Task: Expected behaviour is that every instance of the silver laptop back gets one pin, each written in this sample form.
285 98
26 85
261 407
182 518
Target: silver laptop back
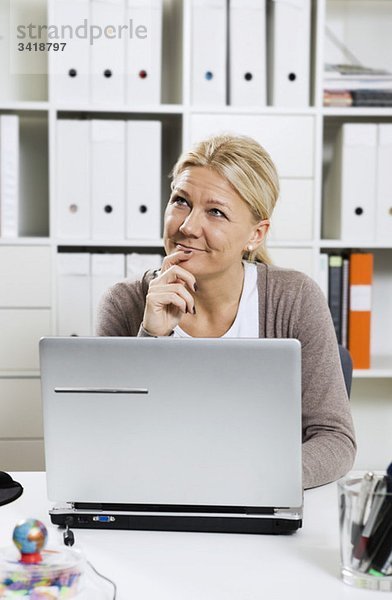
210 422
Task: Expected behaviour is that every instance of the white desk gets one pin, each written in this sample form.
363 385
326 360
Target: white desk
204 566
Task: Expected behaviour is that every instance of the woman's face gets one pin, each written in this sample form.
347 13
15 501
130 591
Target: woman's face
205 215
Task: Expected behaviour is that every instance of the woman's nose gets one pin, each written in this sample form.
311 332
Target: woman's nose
191 226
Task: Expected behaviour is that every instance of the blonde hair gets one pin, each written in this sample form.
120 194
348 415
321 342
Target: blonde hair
248 168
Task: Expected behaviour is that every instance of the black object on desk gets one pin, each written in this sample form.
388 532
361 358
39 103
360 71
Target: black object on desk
10 490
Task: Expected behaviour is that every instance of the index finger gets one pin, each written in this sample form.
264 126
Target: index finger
175 273
175 258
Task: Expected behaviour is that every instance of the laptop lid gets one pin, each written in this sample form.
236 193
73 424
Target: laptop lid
169 421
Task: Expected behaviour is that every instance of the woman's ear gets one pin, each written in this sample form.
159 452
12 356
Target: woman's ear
258 234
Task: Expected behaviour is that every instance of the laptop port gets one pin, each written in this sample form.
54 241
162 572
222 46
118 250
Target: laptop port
103 519
83 520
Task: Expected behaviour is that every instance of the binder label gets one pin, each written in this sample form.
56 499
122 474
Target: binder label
360 298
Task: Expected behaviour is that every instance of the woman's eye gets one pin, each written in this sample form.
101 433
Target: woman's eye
180 201
216 212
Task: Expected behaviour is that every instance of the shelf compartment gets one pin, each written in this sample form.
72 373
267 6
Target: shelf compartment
23 73
381 318
34 176
33 201
363 27
348 144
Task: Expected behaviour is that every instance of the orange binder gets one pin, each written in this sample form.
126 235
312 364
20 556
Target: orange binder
361 276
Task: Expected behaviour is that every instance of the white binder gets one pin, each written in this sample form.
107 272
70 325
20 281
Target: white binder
288 139
323 273
247 53
350 188
73 212
108 52
292 218
73 294
289 52
9 176
70 68
144 52
384 184
137 264
107 179
25 280
299 259
143 191
21 330
106 270
209 52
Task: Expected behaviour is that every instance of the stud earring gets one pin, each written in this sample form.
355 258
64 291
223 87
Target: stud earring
250 248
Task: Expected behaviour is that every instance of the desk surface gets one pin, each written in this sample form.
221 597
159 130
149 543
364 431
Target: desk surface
202 566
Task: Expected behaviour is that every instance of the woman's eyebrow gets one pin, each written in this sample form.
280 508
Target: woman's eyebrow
214 201
219 203
177 190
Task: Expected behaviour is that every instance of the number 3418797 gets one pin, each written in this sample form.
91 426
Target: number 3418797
42 46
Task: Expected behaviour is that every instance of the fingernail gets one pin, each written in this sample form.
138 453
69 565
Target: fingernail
195 287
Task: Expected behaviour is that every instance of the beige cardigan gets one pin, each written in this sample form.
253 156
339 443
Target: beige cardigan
291 305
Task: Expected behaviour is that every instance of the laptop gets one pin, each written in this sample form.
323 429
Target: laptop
172 433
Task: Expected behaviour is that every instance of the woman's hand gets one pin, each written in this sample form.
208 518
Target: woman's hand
169 295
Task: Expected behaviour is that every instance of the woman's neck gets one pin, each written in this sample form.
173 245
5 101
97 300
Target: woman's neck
216 302
220 291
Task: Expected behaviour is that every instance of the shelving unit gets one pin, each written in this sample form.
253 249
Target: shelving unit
285 134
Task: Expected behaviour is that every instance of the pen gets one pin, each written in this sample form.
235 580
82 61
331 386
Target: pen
380 543
382 519
361 546
380 561
360 506
387 568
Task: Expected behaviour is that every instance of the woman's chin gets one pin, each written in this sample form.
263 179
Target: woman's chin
194 264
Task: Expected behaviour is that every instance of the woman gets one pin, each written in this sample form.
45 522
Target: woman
216 280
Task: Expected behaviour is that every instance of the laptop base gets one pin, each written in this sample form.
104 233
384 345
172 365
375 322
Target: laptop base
196 523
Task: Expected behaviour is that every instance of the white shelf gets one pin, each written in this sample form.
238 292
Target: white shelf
252 110
20 374
24 106
359 111
159 243
111 243
180 108
25 241
161 109
290 244
351 244
381 367
372 373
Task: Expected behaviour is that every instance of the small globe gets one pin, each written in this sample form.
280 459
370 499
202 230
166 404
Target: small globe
30 536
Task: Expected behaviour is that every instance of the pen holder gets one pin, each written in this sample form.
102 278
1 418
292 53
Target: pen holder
365 514
31 571
59 575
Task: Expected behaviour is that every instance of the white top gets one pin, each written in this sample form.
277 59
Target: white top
246 323
148 565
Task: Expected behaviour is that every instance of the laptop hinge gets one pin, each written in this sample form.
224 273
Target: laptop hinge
175 508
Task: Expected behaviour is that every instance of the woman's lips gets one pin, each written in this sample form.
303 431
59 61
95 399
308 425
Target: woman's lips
182 247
